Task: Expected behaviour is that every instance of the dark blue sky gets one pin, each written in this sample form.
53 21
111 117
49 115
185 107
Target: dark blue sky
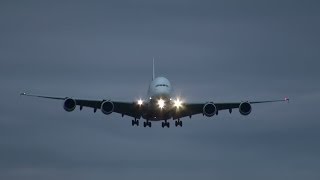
210 51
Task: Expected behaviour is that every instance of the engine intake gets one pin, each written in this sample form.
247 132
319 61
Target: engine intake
69 104
107 107
245 108
209 109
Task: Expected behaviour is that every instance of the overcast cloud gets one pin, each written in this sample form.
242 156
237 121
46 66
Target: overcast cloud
209 50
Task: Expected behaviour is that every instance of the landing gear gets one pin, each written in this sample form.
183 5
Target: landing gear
135 122
165 124
178 123
148 123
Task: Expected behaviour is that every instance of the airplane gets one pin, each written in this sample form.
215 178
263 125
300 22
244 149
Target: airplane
159 106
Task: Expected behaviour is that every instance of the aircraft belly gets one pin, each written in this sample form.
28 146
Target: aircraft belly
153 112
157 115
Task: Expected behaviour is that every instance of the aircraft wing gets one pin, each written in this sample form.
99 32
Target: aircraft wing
190 109
123 108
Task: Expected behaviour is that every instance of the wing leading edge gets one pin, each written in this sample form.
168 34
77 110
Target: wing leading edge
131 109
123 108
197 108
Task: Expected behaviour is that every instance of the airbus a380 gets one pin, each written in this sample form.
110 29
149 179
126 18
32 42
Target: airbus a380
160 105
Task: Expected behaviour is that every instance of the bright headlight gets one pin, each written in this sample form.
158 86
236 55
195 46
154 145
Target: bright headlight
177 103
161 103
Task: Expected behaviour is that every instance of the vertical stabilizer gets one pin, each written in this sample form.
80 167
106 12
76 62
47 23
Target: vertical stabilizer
153 74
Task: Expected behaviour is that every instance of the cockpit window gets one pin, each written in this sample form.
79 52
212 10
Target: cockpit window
165 85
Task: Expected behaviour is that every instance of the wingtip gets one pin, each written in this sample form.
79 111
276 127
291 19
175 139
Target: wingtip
23 94
286 99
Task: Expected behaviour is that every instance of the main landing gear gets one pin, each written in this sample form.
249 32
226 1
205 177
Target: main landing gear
135 122
165 124
148 123
178 123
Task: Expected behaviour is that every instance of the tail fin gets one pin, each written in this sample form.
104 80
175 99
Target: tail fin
153 73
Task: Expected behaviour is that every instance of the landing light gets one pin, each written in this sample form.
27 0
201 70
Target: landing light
177 103
140 102
161 103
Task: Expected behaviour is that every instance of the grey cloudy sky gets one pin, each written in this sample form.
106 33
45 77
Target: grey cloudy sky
210 50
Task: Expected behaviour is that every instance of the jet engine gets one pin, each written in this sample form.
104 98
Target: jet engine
209 109
245 108
107 107
69 104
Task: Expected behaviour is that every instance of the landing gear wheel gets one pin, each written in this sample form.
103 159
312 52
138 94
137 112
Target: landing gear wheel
149 124
176 123
135 122
144 124
180 123
165 124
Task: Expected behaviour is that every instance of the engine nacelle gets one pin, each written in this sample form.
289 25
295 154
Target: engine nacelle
69 104
107 107
209 109
245 108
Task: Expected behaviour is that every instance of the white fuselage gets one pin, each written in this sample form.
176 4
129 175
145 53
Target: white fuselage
160 89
